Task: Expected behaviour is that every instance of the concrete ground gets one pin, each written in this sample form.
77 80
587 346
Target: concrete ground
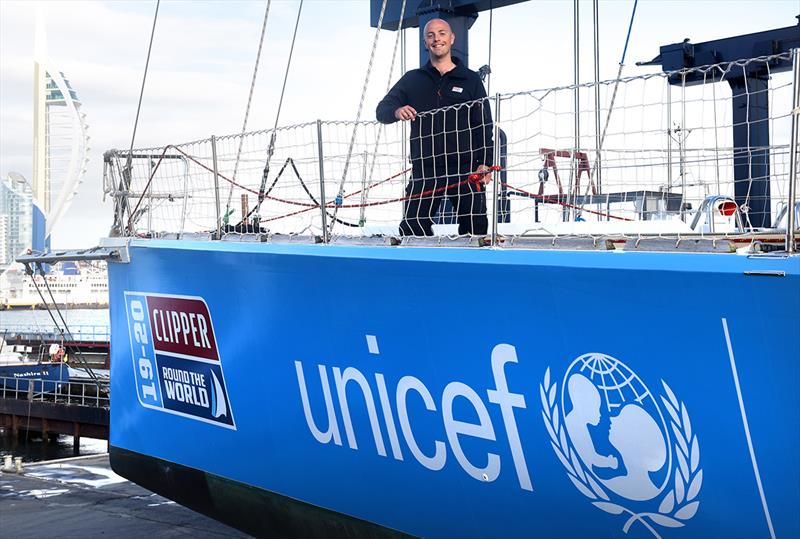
82 498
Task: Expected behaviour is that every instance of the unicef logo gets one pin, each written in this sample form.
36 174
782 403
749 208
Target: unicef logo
618 448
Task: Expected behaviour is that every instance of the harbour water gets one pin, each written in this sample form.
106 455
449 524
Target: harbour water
34 448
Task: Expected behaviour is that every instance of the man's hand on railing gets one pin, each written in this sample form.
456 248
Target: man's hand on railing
482 175
406 112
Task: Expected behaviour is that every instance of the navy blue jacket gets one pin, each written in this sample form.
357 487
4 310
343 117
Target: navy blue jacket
449 140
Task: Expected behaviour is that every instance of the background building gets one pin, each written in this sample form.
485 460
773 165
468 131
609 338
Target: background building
29 211
32 209
16 217
61 150
3 234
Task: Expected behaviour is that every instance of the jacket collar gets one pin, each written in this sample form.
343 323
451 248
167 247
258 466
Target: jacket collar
458 72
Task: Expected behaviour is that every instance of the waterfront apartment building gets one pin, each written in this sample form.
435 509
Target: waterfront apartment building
16 217
3 233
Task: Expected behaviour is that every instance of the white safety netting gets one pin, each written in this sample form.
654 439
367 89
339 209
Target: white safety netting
666 165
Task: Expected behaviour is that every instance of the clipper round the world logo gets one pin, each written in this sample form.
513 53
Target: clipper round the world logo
618 448
175 357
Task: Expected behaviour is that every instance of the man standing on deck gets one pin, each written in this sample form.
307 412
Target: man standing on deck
448 143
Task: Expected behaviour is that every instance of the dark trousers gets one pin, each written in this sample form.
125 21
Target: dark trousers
469 204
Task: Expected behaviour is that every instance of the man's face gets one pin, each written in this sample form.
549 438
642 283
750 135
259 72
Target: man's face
439 38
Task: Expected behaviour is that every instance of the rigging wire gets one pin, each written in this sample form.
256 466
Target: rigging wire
271 149
129 161
358 114
65 330
619 73
489 73
365 188
247 111
596 164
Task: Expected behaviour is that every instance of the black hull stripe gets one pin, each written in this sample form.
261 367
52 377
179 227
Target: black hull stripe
252 510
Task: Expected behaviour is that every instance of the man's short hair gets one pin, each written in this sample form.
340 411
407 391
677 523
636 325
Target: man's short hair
425 28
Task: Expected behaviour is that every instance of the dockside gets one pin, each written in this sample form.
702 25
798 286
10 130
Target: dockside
83 498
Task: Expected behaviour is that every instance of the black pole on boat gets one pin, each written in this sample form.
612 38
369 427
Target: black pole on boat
749 82
459 14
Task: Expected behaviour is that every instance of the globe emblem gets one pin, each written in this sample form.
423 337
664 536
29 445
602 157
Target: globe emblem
616 427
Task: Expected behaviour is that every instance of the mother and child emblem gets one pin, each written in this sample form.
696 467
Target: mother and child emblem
608 431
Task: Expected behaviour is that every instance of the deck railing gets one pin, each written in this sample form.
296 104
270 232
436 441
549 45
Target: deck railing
95 394
663 151
38 332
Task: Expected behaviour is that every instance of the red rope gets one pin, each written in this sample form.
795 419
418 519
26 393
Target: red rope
472 178
292 202
475 178
378 203
546 198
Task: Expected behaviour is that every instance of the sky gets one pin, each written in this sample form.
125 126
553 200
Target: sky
204 54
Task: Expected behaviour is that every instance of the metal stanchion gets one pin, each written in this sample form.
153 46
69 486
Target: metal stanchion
216 185
597 142
682 146
496 174
573 178
669 136
790 217
323 211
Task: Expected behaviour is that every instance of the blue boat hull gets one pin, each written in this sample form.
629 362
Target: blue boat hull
460 393
45 378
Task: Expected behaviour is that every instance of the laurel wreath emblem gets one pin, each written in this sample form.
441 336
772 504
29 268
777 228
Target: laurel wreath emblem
680 502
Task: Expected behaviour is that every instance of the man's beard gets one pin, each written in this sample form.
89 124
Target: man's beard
439 54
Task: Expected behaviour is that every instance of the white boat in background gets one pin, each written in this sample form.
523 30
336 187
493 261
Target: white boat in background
19 373
71 284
